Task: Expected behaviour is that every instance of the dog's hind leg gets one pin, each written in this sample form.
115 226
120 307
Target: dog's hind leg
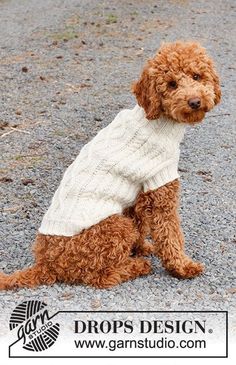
129 269
142 247
112 240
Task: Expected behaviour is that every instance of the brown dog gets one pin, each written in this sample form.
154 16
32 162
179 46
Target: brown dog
179 84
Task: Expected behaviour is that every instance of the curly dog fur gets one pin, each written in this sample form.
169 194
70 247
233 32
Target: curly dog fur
113 250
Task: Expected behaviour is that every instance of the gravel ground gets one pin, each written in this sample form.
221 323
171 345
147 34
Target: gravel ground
65 70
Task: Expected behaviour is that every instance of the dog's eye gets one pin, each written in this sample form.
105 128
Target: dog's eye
172 84
196 77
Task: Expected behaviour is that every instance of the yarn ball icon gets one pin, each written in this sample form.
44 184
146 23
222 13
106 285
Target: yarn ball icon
34 325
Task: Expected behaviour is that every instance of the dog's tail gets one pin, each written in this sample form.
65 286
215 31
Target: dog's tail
27 278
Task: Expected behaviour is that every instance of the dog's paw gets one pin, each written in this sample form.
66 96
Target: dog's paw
145 267
3 278
190 270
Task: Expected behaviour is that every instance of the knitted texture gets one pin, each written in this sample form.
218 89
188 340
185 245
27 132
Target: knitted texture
130 155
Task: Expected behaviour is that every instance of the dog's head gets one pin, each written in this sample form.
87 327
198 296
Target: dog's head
179 82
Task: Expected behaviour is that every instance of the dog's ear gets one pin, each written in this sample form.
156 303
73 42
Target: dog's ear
216 84
217 88
147 95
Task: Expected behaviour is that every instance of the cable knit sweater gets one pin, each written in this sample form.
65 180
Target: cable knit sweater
130 155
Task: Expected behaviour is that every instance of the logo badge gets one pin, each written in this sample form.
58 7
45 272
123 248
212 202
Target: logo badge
34 326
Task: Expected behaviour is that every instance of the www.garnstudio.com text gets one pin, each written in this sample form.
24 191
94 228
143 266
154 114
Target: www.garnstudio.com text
162 343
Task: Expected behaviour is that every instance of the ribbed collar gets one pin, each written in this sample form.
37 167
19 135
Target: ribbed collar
163 125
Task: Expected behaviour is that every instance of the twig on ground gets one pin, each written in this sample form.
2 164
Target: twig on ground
218 115
14 130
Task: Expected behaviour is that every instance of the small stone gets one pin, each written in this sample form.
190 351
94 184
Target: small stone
203 173
18 112
24 69
27 181
182 170
98 119
67 296
199 295
96 303
3 124
6 179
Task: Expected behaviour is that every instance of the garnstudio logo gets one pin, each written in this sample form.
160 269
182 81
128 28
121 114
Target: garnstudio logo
34 326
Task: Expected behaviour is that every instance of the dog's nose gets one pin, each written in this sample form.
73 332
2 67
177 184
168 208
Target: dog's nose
194 103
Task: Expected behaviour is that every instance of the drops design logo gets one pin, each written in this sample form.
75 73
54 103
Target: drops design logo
34 325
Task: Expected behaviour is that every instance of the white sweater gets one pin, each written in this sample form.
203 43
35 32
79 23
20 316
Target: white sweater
130 155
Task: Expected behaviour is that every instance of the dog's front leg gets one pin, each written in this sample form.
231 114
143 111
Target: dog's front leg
167 234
